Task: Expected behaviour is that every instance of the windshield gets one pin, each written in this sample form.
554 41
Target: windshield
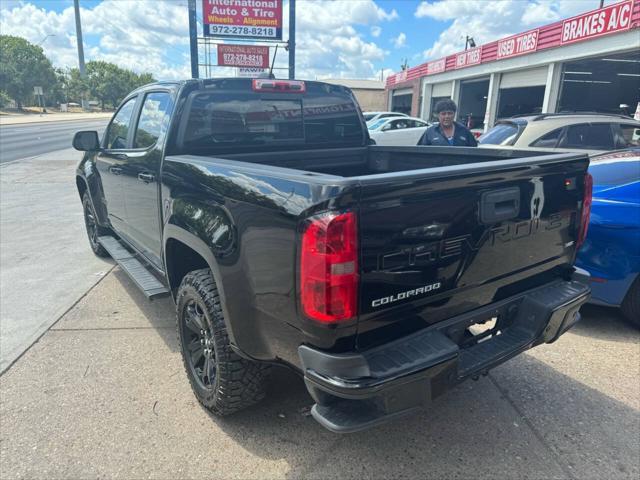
236 121
369 116
501 134
377 124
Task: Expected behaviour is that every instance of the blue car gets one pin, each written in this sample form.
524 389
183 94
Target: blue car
611 251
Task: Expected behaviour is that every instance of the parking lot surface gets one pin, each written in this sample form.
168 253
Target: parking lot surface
103 394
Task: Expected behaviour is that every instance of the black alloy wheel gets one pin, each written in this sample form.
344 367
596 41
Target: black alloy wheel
222 381
197 341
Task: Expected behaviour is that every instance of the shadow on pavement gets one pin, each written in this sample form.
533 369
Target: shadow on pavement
604 323
473 431
159 313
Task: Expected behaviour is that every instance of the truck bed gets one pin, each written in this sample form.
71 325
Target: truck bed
374 160
480 224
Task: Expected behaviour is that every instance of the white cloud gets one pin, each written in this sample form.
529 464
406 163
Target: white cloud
487 21
152 35
400 40
376 31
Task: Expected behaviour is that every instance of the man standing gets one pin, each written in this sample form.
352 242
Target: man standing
447 132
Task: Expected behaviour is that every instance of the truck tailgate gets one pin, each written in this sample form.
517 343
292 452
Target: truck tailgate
437 243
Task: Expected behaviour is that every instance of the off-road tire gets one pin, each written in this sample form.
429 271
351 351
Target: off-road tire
94 230
237 383
631 303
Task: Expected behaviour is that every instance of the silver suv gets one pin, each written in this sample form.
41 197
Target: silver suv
595 132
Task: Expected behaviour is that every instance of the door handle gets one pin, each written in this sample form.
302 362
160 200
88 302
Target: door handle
115 170
146 177
499 205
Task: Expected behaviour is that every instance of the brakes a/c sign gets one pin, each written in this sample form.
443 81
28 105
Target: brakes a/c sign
242 18
611 19
520 44
243 56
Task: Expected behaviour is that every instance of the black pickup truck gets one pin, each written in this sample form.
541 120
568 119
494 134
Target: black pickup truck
384 275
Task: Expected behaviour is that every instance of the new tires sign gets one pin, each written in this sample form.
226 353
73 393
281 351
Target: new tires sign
243 18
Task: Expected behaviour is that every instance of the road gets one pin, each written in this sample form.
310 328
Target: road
31 139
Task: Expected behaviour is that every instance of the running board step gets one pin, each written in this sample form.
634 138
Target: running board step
143 278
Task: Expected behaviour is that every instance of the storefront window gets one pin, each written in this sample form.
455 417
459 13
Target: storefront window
520 101
473 103
402 103
609 84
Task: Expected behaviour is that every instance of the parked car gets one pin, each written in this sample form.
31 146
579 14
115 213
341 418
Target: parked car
287 238
373 116
611 252
594 133
397 131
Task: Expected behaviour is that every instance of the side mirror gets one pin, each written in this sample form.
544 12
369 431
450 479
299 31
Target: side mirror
386 128
86 141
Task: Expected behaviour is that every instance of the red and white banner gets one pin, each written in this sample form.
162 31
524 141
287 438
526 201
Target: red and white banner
520 44
243 18
469 57
243 56
437 66
610 19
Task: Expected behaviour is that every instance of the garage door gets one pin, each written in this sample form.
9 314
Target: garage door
441 89
524 78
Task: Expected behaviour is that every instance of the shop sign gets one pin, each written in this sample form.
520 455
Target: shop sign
248 72
243 18
520 44
243 56
469 57
437 66
613 18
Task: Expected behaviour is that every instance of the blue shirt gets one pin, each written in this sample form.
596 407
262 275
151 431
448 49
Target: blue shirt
462 137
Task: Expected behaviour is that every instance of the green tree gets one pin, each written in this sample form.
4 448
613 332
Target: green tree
110 84
23 66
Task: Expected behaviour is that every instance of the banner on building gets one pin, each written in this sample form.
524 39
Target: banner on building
243 19
610 19
243 56
520 44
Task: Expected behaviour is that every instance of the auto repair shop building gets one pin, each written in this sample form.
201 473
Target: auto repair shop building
590 62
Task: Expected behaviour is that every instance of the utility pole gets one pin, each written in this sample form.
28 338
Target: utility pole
83 73
193 38
292 39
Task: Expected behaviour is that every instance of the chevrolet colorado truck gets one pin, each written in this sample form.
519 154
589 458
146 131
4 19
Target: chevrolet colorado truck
383 275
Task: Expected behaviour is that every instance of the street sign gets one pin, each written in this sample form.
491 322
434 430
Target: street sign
260 19
37 91
243 56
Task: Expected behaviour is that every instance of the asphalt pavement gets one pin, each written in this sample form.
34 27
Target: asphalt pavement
31 139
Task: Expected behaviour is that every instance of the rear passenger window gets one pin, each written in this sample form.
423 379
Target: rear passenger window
594 136
153 119
119 128
628 136
549 140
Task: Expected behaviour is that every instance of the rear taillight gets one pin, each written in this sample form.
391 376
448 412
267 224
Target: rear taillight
329 268
586 209
282 86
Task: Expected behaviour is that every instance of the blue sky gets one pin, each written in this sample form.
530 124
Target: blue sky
341 38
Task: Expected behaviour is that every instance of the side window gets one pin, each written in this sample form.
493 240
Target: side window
119 128
153 119
628 136
549 140
596 136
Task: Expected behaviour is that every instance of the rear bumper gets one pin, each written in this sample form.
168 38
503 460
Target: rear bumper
356 391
